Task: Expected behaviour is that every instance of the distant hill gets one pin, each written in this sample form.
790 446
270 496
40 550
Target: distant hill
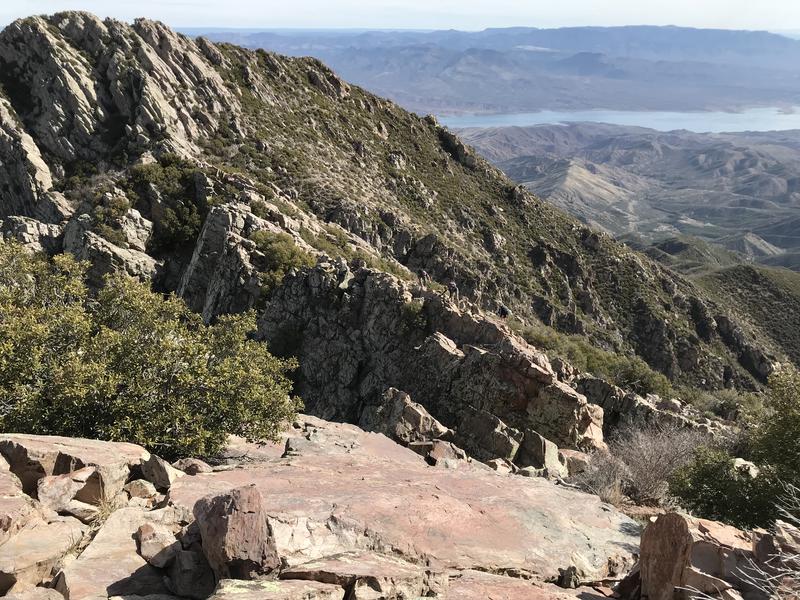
739 191
526 69
769 298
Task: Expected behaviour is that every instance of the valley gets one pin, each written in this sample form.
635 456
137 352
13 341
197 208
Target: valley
737 191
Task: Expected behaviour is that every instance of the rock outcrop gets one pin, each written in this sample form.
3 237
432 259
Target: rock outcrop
687 557
358 333
330 511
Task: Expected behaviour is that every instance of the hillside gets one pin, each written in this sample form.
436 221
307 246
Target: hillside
525 69
769 297
737 190
220 174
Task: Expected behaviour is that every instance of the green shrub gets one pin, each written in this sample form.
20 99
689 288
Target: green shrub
183 211
732 405
281 255
712 488
129 364
629 373
776 436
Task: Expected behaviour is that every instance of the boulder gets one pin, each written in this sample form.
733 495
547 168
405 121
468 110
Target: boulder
157 544
370 576
236 537
136 229
235 589
679 552
484 436
27 558
190 575
438 453
159 472
577 462
192 466
17 509
56 492
37 593
402 420
501 466
665 550
140 488
111 565
540 453
31 457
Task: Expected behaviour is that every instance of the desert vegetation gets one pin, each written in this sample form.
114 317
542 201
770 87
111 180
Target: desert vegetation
128 364
737 479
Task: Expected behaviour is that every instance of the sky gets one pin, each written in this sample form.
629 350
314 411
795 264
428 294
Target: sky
430 14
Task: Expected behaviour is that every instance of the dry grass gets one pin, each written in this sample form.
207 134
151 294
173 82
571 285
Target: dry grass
640 463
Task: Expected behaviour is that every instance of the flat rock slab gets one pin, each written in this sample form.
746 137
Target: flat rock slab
28 557
232 589
343 490
375 574
32 457
476 585
110 565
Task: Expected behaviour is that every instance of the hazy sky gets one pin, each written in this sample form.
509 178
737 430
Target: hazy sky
424 14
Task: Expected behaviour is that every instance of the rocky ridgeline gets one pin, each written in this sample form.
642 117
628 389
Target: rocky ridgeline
283 145
334 512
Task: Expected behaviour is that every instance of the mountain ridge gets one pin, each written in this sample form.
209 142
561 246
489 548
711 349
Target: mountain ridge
527 69
171 182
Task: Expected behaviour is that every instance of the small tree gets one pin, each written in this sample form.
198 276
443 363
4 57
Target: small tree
712 486
129 364
776 437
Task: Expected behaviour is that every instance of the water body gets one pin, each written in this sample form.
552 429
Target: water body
754 119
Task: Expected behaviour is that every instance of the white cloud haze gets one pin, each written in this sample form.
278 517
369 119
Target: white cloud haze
425 14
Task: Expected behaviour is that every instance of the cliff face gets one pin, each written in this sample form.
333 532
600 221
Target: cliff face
142 150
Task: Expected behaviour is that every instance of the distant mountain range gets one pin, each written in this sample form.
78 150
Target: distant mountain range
526 69
739 191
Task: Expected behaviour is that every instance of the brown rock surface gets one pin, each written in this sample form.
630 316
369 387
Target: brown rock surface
32 457
477 585
236 537
17 509
111 565
233 589
370 576
37 593
347 490
28 557
706 556
157 544
56 492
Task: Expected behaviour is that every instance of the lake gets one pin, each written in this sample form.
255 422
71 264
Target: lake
754 119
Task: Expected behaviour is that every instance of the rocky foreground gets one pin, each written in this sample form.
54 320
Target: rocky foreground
331 511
